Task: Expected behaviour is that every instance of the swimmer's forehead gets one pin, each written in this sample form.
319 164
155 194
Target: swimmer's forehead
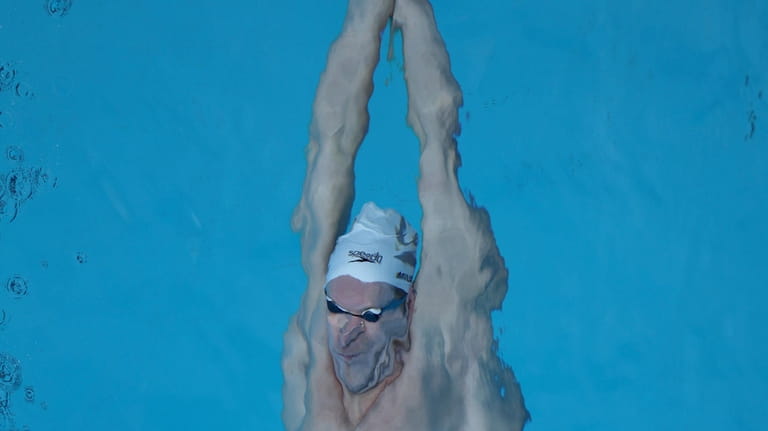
351 292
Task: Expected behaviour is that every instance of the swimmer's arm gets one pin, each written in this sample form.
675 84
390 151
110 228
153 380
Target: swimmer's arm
457 239
462 277
339 123
434 98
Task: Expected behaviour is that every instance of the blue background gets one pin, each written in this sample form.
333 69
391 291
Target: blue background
620 148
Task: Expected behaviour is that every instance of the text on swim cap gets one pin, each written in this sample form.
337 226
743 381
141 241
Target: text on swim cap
365 257
404 276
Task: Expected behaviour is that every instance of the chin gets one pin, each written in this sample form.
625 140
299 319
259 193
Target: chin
358 387
356 377
362 376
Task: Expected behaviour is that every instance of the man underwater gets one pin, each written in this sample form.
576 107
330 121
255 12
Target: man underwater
364 351
370 274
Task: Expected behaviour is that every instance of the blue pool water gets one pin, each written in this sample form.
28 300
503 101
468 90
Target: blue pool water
152 153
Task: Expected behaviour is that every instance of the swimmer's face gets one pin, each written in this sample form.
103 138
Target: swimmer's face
364 352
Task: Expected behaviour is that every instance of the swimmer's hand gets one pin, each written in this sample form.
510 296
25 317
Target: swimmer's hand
367 13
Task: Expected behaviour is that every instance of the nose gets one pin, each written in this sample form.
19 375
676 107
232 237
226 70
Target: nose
352 328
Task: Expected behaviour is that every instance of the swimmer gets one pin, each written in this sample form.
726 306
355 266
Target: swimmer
372 348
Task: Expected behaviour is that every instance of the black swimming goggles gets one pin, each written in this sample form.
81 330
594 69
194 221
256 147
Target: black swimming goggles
369 315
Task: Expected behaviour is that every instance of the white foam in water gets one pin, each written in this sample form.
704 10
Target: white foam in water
452 377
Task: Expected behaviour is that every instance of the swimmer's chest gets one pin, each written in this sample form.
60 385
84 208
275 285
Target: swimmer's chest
405 407
389 413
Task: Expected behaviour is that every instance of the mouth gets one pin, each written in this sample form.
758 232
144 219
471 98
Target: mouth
348 357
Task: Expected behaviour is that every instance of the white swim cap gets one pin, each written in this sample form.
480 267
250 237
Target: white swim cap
380 247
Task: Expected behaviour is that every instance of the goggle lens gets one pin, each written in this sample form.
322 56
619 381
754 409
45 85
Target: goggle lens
368 315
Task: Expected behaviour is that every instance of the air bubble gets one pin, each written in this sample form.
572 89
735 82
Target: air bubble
7 76
6 120
19 185
10 373
14 153
41 177
29 394
17 286
58 7
10 211
23 90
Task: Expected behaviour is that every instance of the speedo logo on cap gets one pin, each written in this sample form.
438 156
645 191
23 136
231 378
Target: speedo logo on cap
364 257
